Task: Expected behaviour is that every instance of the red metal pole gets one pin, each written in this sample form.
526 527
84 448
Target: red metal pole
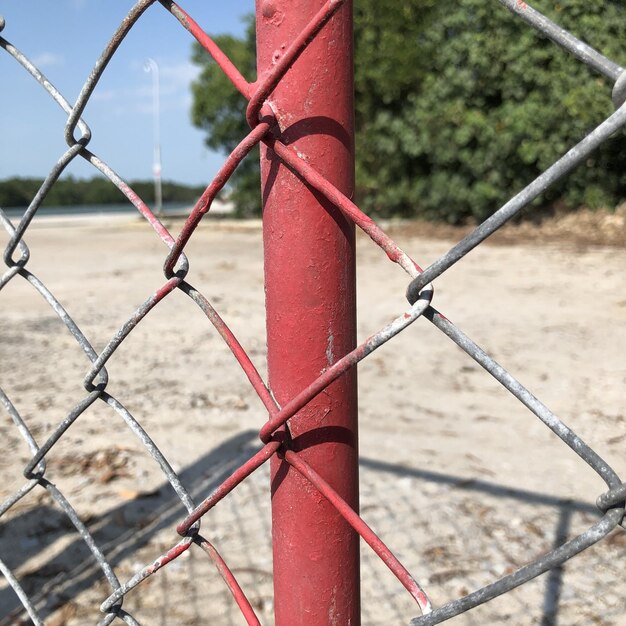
311 314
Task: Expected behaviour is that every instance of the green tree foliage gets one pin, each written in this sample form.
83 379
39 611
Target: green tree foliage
458 106
18 192
220 110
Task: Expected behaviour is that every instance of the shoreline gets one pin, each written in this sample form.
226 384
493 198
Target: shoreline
78 216
582 229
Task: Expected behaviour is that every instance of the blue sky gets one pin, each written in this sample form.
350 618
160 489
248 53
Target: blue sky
64 38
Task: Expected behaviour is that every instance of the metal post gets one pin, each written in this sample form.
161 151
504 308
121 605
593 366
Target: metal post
311 314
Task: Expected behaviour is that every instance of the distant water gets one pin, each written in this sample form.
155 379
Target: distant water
96 209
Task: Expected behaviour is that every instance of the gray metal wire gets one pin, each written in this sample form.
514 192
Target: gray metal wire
420 295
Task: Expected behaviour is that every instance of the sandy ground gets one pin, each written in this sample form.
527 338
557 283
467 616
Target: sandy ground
460 480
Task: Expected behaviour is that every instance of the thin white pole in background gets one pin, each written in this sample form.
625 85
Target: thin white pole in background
152 66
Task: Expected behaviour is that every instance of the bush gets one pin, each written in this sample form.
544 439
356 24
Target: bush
458 107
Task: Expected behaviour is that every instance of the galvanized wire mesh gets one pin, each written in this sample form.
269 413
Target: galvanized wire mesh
420 295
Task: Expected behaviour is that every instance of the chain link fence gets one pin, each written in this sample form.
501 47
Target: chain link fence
232 473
